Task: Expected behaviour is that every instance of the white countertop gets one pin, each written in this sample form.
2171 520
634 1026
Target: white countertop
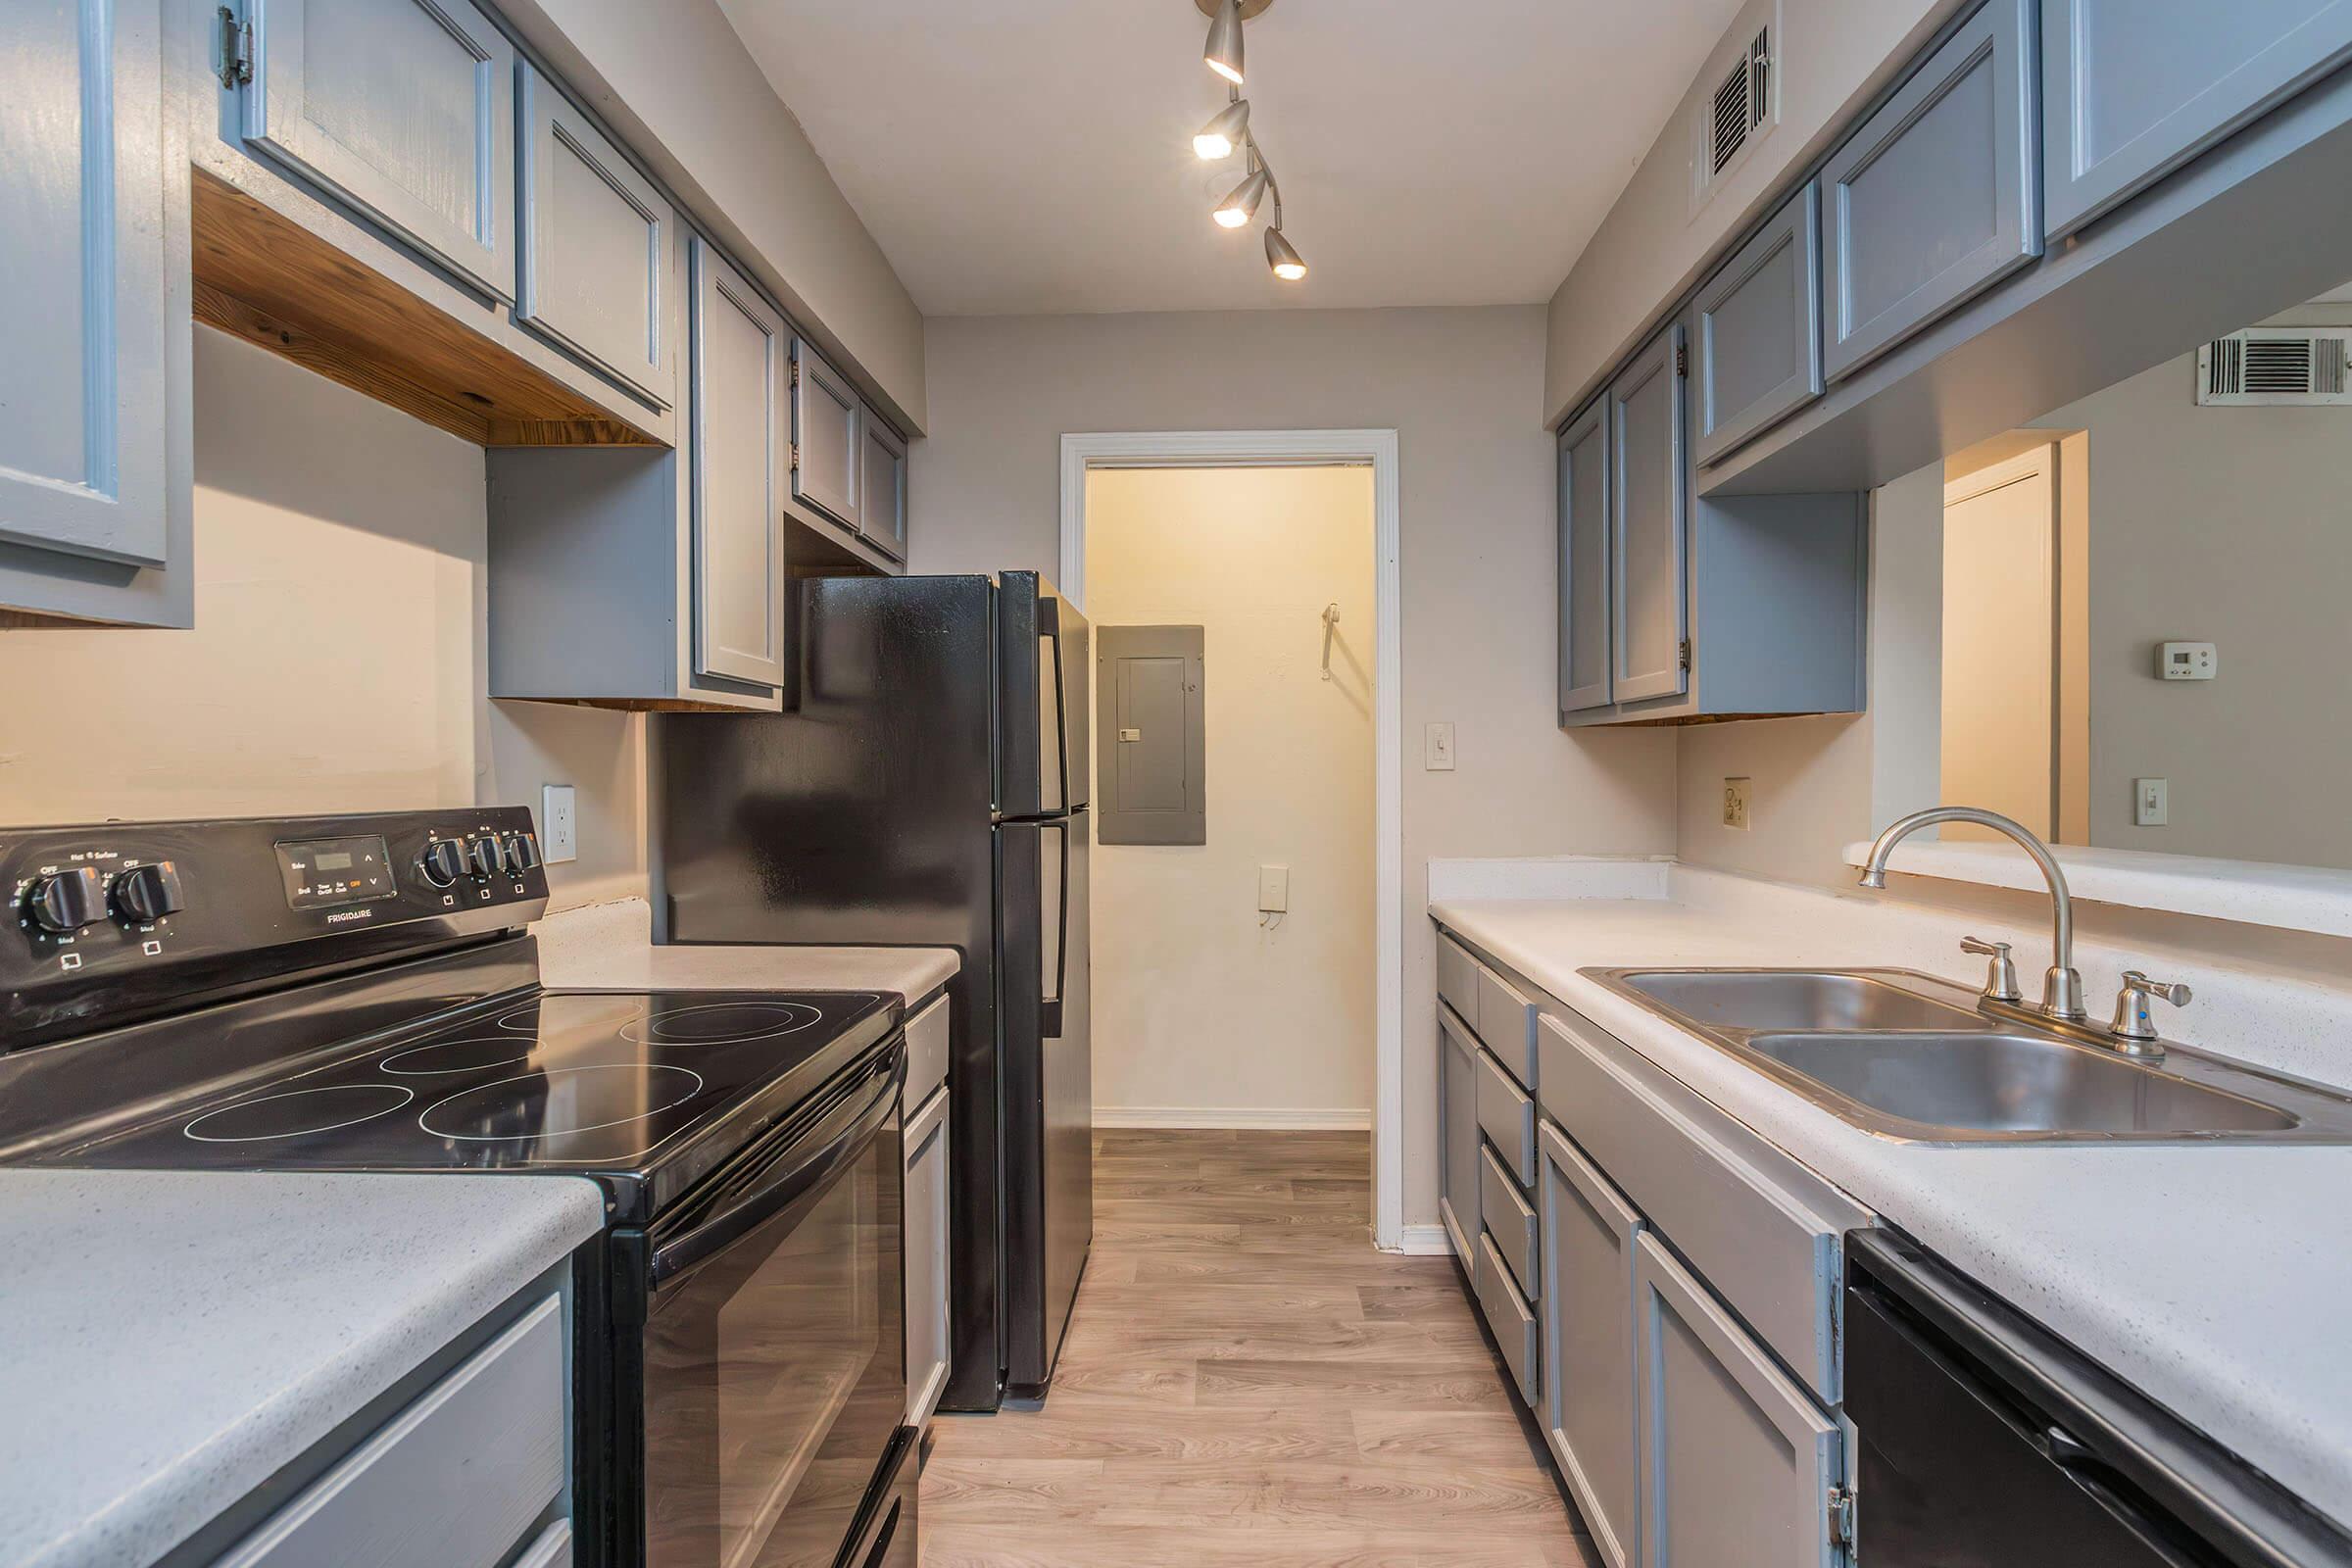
609 946
2214 1278
173 1339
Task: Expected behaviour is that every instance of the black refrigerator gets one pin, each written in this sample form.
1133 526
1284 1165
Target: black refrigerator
926 785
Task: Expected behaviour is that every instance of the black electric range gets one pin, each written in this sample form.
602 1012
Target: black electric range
360 993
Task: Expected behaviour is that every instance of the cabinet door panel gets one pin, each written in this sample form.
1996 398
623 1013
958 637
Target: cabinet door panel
926 1207
1457 1134
1936 197
81 219
1758 341
1735 1462
826 444
2137 87
882 485
1584 560
595 246
404 109
1650 524
739 348
1588 1303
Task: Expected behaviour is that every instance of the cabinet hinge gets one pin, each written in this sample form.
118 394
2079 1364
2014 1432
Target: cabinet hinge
1685 653
1681 360
1841 1519
236 49
796 372
793 452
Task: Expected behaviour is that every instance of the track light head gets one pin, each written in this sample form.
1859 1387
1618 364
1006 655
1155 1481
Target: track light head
1284 256
1223 53
1238 207
1217 139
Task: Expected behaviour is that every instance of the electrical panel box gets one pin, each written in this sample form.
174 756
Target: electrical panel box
1152 752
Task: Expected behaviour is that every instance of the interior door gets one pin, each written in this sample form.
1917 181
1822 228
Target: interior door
1649 522
738 356
2000 654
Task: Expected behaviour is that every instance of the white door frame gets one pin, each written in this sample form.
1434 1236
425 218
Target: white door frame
1280 449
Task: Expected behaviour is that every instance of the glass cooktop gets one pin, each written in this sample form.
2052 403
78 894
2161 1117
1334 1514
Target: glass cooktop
646 1091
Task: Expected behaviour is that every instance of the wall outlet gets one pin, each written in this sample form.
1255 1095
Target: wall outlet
1436 748
1734 803
558 824
2152 802
1273 889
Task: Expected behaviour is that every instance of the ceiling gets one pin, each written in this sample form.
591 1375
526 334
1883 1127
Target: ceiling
1037 157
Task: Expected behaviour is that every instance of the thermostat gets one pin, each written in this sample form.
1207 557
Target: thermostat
2187 661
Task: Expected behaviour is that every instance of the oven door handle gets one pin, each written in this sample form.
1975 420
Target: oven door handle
842 1133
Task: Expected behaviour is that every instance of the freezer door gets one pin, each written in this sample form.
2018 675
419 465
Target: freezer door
1043 663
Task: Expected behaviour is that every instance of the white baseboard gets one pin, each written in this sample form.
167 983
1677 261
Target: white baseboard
1425 1241
1220 1116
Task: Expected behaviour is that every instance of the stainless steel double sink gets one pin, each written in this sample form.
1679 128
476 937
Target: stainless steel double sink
1908 1057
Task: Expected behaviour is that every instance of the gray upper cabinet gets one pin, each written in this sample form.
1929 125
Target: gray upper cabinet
1757 340
596 247
1584 561
827 451
402 108
1649 520
740 351
1457 1134
2137 87
1737 1464
1588 1311
882 486
1937 196
84 197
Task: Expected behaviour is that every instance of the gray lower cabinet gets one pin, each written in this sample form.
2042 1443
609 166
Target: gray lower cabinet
1935 197
2133 88
928 1339
1736 1465
1649 502
1584 561
462 1477
595 245
1756 338
740 356
1587 1300
402 108
1509 1317
827 450
96 452
882 485
1457 1133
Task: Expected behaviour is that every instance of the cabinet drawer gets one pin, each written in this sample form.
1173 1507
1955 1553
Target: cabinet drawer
927 1051
1763 1249
1506 1114
1506 1024
457 1478
1457 979
1509 1221
1515 1325
1934 198
1758 336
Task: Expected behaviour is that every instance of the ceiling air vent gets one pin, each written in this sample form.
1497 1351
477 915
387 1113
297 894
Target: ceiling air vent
1736 103
2273 367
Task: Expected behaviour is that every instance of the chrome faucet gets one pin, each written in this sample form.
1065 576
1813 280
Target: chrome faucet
2061 984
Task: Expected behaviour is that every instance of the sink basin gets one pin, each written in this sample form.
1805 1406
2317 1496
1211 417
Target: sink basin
1974 1081
1775 999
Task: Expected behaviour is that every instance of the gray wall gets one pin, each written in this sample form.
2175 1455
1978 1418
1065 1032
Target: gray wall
1476 506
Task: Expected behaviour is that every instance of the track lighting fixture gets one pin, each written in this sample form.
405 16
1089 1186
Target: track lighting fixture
1223 54
1240 206
1284 256
1217 139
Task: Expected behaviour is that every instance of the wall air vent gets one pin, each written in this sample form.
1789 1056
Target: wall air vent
1737 101
2271 366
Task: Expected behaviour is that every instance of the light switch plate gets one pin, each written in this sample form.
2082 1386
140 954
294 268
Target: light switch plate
1273 889
558 824
1436 748
2152 802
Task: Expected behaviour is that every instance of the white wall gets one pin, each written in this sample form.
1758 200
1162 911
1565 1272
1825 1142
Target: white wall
1833 56
1205 1014
338 658
1477 516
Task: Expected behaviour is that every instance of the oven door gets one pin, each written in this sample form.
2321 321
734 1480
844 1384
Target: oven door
774 1354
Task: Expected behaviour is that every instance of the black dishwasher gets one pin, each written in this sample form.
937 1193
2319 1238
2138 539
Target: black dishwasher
1986 1442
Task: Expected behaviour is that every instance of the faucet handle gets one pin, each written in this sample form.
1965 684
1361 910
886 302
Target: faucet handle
2131 1019
2000 975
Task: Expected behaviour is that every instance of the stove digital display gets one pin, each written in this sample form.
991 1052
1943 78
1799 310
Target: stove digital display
321 873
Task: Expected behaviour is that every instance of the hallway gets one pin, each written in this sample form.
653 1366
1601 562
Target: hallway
1246 1381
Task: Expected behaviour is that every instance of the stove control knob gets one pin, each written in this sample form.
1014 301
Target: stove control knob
442 862
487 858
523 853
69 900
148 892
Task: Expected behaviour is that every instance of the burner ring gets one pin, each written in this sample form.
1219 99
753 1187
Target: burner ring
371 1091
690 1025
518 1046
684 1092
529 1025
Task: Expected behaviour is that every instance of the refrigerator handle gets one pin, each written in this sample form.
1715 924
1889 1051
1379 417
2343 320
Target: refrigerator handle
1048 624
1048 1011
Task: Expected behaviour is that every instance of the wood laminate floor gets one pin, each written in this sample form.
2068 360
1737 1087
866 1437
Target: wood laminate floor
1247 1381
